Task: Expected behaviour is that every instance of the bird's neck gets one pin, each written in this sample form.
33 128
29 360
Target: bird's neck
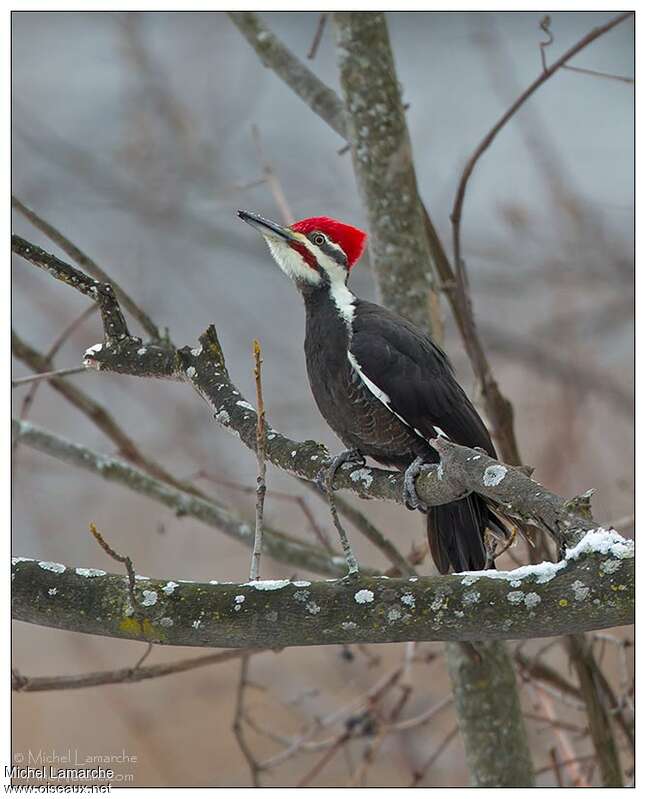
329 313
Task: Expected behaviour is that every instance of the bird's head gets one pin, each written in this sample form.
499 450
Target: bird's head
314 252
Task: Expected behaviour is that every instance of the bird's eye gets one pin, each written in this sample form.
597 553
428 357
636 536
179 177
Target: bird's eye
318 239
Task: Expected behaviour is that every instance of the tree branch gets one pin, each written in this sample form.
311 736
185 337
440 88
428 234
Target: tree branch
88 264
498 406
277 545
591 589
598 716
101 417
305 84
66 682
461 470
274 55
493 757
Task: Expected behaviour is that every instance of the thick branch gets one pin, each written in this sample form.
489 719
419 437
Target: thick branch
591 589
493 756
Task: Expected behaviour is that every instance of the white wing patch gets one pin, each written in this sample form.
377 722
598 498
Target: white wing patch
374 389
385 399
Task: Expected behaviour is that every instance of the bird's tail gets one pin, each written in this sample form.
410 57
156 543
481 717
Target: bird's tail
456 533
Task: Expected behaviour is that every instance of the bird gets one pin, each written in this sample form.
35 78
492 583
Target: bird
383 385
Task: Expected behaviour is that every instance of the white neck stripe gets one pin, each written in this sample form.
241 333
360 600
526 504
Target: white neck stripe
344 299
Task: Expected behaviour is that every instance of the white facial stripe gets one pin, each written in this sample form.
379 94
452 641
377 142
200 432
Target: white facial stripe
291 263
296 268
336 272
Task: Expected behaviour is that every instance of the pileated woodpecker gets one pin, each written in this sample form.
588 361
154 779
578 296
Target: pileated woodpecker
382 385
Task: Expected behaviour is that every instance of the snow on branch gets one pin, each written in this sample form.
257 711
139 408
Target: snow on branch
592 588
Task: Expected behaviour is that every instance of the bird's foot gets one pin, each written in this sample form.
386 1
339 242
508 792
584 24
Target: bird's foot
325 480
411 499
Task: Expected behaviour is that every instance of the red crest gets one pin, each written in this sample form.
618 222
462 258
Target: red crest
351 240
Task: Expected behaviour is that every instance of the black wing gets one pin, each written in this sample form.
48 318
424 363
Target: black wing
416 377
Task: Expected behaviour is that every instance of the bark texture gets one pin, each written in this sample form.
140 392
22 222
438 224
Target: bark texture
591 589
401 257
383 165
489 715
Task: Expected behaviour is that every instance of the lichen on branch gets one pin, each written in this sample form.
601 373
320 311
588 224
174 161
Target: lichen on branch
591 588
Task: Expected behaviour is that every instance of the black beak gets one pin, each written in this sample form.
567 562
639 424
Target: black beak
266 227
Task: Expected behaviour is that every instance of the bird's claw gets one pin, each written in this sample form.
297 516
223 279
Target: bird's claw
411 499
325 477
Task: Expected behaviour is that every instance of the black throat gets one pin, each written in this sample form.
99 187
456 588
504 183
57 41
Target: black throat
326 330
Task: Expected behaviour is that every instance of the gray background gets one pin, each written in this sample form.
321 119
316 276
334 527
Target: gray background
133 135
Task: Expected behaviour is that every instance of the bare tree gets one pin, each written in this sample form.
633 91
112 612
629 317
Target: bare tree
589 588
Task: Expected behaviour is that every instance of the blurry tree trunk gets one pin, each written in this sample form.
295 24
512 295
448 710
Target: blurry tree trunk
383 164
487 701
489 714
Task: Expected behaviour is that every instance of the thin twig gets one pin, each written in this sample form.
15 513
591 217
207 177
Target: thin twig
238 719
99 416
261 446
316 41
51 354
556 766
124 559
318 531
558 723
545 26
563 739
456 214
425 717
595 73
23 381
144 657
87 263
498 407
566 763
127 675
400 564
338 742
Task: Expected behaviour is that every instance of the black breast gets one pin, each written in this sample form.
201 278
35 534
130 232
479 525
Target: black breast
357 417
